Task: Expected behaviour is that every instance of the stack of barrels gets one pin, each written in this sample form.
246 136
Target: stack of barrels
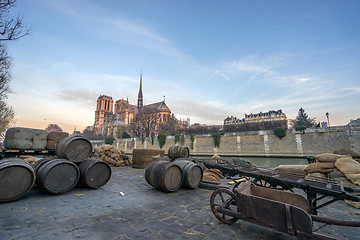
72 167
169 174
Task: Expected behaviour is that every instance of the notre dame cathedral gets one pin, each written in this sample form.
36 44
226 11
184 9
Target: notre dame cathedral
111 119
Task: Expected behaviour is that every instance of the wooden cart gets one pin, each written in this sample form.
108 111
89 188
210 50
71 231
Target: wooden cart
282 211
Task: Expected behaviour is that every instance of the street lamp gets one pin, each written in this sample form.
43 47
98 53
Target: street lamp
327 116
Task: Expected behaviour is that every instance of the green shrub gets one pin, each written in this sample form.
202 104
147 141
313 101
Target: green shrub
177 138
311 159
162 139
300 128
217 137
109 140
142 140
280 132
125 135
152 140
192 137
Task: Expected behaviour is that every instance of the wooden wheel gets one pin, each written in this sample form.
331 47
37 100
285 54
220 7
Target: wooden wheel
223 198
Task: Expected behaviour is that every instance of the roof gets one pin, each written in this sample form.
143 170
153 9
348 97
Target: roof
156 107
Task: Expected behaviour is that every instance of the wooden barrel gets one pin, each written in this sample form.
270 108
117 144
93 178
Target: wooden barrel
16 179
192 173
178 152
94 173
40 162
57 176
74 148
164 176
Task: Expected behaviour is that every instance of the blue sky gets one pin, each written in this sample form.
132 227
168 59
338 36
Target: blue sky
210 59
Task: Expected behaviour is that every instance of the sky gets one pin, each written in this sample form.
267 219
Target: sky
210 59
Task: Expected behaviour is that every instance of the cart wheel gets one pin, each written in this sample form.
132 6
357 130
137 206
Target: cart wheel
223 198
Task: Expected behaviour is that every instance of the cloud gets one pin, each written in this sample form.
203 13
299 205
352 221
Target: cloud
354 90
116 27
219 73
82 97
264 69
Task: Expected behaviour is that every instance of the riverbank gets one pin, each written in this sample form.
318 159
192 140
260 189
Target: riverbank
256 143
128 208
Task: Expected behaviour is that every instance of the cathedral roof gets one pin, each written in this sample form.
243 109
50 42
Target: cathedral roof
156 107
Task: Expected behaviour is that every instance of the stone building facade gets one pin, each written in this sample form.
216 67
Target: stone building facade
272 115
111 119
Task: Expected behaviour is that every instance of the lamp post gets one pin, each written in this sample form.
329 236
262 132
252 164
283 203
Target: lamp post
327 116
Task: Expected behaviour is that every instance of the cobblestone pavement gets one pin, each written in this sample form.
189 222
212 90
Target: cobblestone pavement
141 213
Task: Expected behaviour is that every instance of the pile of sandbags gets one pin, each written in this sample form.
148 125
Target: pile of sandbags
325 163
212 175
350 168
292 169
113 156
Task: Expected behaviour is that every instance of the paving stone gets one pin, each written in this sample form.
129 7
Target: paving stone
142 213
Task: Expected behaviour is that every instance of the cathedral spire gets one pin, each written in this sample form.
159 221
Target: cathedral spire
140 96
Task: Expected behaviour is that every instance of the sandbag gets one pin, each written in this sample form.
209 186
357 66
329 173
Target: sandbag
30 159
319 167
212 175
54 138
347 165
326 157
25 138
347 151
315 175
113 156
354 178
296 169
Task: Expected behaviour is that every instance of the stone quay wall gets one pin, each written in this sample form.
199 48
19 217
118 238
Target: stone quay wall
256 143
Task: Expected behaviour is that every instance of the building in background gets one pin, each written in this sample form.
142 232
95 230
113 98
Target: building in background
111 120
255 122
272 115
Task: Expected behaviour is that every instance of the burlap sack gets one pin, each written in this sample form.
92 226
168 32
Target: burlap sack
316 176
326 157
107 147
295 169
54 138
347 165
347 151
354 178
143 157
113 156
212 175
30 159
320 167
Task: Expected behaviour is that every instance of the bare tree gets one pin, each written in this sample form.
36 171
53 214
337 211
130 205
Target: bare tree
170 126
144 124
11 28
53 128
5 75
7 115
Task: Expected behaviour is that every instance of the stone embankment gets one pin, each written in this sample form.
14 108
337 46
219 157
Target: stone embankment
260 143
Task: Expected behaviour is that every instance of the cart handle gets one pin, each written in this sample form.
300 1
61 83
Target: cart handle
334 221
